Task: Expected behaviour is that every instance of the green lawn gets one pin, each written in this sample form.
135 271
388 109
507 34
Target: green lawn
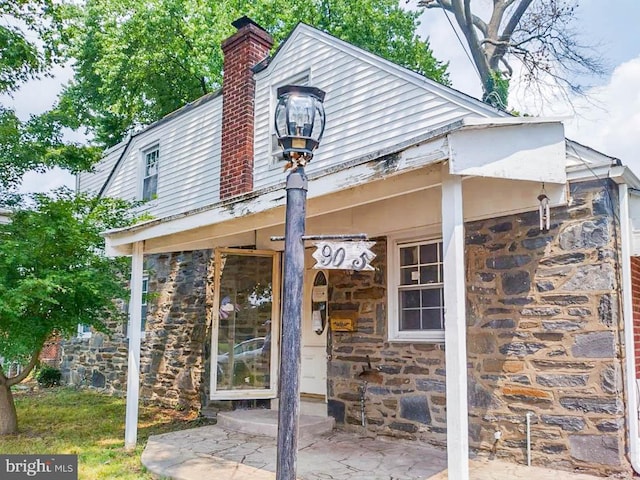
62 420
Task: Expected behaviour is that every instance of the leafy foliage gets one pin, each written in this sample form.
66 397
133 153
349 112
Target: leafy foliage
36 145
32 36
137 61
53 273
48 376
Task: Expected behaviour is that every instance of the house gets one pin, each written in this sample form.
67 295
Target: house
483 325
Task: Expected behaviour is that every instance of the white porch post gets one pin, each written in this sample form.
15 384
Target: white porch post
133 368
455 326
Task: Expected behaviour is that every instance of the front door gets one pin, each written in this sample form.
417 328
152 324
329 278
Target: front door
313 375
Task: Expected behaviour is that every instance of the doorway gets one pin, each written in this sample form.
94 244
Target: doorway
315 324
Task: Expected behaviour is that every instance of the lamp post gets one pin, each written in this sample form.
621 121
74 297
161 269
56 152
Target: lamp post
299 121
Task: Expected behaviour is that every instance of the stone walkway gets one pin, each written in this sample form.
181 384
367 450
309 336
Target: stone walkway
212 452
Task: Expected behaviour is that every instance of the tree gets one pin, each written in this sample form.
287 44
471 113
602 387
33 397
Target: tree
137 61
33 37
37 145
537 33
54 276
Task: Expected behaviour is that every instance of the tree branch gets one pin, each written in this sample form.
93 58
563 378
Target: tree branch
446 5
515 19
27 370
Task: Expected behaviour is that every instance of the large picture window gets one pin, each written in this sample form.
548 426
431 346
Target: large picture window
245 333
416 295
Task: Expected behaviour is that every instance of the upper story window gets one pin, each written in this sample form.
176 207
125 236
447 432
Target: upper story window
416 293
151 159
145 294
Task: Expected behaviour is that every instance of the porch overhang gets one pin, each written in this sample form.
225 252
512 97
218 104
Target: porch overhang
387 174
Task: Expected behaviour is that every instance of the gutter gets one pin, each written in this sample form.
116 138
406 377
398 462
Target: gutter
629 344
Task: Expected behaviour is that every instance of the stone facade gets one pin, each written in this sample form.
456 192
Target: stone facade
544 336
174 345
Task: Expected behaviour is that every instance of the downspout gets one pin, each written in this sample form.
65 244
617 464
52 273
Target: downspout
627 312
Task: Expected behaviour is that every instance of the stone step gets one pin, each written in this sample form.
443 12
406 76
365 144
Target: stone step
265 422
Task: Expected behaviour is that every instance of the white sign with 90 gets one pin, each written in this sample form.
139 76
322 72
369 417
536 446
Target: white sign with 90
344 255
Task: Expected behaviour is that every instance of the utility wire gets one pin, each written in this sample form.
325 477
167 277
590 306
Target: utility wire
473 64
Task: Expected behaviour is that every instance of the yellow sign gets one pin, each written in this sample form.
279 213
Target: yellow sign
343 321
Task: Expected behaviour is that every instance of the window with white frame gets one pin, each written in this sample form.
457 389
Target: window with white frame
145 293
143 310
416 296
84 331
151 159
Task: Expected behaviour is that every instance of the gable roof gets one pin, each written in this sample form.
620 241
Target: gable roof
450 93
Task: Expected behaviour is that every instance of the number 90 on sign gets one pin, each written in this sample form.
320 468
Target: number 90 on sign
344 255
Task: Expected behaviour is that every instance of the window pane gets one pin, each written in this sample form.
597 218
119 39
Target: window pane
431 297
410 299
431 319
149 187
244 323
410 320
429 274
408 256
409 276
429 253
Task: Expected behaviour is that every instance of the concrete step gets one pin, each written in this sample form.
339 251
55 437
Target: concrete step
265 422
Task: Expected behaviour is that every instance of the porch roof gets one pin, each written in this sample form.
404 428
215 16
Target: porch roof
513 148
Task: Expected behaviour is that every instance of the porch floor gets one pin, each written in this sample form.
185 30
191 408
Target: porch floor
229 455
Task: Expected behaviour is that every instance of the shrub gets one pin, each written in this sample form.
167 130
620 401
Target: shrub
48 376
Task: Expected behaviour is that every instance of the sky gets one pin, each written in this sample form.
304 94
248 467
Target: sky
608 120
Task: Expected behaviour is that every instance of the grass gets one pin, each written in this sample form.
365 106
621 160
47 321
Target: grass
66 421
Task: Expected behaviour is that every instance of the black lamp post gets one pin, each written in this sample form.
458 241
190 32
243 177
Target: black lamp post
299 120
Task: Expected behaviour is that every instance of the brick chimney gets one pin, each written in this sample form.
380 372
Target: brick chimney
247 47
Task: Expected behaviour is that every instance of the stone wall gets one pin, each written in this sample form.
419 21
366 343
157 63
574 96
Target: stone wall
172 357
544 336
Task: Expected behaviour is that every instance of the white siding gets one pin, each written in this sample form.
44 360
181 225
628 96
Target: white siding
370 104
189 167
92 182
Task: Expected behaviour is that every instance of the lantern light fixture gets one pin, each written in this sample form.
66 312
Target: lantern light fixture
299 121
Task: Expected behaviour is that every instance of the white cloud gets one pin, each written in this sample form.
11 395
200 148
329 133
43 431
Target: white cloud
613 125
34 182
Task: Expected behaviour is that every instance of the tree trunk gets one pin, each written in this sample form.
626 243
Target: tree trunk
8 415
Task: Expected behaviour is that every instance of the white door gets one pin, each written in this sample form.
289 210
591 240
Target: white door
313 368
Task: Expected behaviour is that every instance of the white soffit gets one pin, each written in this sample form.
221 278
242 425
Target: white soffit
517 149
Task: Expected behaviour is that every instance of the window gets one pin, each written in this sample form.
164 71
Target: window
84 331
150 173
245 321
416 303
143 312
145 292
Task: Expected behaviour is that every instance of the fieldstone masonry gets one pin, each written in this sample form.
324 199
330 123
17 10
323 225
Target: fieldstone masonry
543 337
174 345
